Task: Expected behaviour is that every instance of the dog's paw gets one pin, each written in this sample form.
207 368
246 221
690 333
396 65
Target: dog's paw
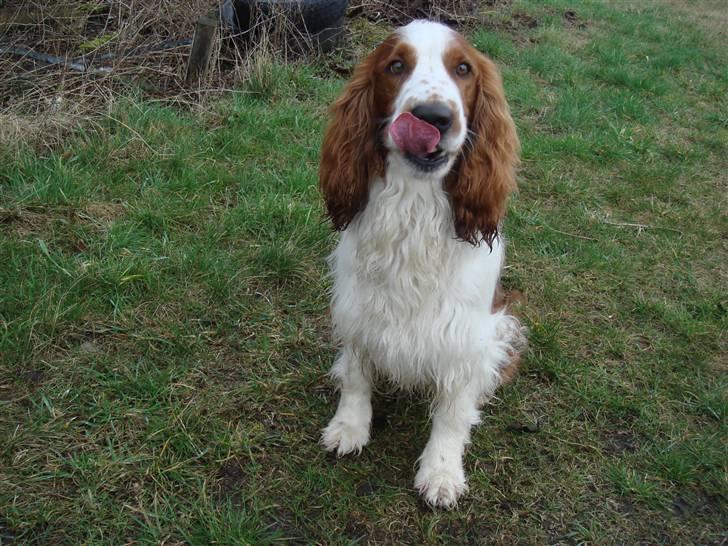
345 437
441 485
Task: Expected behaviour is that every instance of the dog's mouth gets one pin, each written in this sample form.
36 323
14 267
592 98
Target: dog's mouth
419 142
428 162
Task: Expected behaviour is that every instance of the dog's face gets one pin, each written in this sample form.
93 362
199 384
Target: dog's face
434 71
427 101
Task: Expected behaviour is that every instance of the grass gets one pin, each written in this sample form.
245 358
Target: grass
164 334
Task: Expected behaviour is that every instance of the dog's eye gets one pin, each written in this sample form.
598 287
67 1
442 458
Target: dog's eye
396 67
463 69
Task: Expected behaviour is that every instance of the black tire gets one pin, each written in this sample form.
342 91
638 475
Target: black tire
322 20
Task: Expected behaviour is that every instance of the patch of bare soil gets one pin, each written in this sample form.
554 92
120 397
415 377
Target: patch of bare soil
25 222
621 441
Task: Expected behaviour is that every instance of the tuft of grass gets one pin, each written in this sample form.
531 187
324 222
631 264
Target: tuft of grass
630 484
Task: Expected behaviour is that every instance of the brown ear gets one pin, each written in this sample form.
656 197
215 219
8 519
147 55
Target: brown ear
479 186
351 154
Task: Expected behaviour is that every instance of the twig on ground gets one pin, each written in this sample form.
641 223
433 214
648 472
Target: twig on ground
640 226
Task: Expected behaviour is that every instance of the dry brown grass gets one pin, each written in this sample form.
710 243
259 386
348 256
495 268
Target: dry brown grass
104 43
104 49
454 12
40 102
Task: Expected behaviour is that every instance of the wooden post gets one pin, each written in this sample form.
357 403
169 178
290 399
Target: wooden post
201 47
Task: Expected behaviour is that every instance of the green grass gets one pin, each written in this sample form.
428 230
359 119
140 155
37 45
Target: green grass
164 334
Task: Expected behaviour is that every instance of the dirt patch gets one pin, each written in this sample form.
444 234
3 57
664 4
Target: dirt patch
572 19
359 530
231 478
517 25
621 441
699 504
24 222
520 20
102 213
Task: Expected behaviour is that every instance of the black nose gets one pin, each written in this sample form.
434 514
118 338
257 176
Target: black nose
434 113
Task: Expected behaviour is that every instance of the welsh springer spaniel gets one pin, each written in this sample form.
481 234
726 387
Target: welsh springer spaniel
415 171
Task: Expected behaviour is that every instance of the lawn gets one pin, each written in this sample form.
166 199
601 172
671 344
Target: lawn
164 334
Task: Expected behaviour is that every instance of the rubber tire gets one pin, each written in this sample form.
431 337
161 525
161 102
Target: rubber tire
316 16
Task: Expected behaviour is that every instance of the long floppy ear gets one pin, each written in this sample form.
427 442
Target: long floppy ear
479 186
351 154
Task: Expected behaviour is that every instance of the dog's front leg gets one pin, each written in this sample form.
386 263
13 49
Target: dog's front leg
348 431
441 478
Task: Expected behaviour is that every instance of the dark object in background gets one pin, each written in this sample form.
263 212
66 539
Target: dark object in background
303 25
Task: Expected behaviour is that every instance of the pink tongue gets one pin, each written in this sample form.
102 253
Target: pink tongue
414 136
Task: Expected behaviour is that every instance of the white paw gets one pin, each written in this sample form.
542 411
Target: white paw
441 485
345 437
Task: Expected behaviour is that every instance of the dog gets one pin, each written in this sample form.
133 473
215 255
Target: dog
416 168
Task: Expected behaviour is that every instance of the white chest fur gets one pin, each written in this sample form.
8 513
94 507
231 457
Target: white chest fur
414 301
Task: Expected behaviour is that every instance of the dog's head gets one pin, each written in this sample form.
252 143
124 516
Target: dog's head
427 103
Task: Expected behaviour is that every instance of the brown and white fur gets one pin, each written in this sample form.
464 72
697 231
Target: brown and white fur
420 254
